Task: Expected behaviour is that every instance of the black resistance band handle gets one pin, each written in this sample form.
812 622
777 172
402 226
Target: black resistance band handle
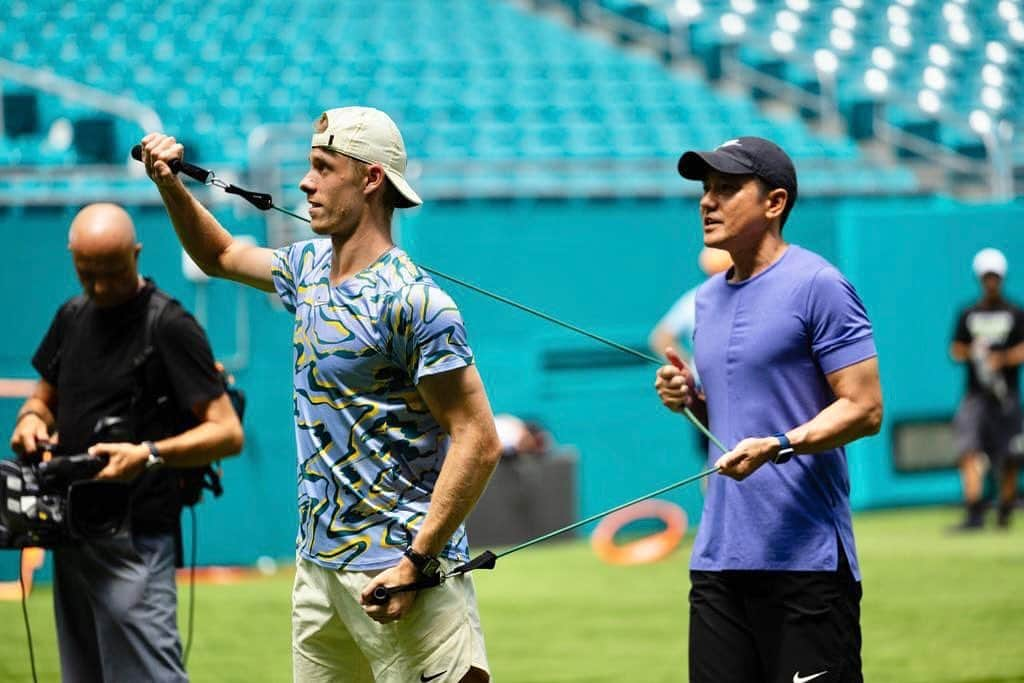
261 200
485 560
381 594
200 174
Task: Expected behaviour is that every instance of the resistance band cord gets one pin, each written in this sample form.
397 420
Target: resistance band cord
487 559
264 202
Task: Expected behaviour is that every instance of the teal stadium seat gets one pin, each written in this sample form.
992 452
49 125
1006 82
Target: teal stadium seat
465 79
972 52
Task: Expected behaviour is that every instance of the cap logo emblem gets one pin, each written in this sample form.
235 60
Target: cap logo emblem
730 143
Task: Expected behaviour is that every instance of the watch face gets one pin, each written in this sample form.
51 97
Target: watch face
428 566
431 568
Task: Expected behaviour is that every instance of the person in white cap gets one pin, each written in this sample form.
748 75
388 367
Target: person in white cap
678 322
675 329
989 341
395 435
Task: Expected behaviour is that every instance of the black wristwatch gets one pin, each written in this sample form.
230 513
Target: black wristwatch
427 565
785 449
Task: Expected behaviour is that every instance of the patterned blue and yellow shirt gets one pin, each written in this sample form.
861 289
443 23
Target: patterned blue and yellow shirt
369 451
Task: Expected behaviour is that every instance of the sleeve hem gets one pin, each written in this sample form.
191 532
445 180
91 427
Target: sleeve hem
277 271
446 366
840 357
203 397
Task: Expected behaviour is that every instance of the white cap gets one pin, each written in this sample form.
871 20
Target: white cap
989 261
368 135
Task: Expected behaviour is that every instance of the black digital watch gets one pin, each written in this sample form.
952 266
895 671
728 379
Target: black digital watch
427 565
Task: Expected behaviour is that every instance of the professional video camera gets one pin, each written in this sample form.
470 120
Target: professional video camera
57 501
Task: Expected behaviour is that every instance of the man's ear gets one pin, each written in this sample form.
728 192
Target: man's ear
777 200
374 178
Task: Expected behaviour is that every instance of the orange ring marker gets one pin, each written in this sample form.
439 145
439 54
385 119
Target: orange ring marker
644 550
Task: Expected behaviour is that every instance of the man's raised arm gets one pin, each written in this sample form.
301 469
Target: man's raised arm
212 247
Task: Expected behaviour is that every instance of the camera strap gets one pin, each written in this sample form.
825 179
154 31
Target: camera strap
150 403
140 414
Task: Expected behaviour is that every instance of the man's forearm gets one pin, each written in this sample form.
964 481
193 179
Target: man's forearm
201 445
201 235
464 476
1014 356
840 423
661 338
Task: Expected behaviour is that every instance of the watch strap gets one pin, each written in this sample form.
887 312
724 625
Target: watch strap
427 565
785 449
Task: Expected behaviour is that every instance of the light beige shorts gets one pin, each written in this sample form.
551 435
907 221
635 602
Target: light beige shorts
334 640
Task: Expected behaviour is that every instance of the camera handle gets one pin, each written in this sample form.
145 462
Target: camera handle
64 469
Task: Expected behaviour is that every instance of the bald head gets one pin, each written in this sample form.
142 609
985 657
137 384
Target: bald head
105 253
101 229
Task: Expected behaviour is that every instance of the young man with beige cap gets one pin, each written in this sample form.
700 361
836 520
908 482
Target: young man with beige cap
395 436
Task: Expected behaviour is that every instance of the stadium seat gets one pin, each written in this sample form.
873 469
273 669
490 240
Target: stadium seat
537 88
932 64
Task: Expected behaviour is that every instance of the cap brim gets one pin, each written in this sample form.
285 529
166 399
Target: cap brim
695 165
409 198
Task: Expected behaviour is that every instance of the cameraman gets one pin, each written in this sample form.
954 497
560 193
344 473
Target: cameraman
115 598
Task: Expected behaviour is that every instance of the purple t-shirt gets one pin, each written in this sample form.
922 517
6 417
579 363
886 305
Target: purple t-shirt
763 348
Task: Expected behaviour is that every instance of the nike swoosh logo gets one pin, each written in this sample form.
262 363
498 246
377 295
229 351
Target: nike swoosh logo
424 678
797 678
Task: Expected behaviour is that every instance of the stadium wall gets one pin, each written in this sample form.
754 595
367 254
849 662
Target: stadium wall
612 267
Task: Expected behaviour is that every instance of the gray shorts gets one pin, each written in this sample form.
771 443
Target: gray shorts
984 424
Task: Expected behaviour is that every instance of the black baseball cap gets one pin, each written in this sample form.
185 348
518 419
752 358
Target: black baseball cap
744 156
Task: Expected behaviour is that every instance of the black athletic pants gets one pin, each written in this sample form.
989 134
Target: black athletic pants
775 627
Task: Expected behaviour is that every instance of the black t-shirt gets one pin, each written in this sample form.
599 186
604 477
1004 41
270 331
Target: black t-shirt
999 326
90 355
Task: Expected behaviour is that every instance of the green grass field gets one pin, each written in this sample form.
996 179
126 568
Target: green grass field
937 609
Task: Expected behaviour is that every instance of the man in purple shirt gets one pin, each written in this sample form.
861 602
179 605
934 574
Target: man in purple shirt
789 375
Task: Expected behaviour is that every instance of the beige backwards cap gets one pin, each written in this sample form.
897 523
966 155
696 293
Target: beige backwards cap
368 135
